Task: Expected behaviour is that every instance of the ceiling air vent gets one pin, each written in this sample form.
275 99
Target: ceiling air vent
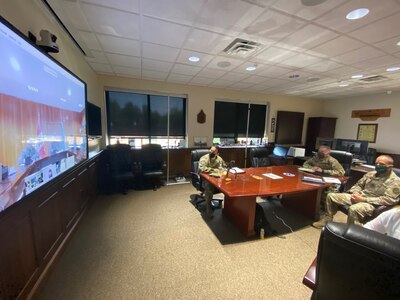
240 47
373 78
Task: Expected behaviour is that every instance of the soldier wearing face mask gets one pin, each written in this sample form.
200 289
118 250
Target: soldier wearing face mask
379 187
324 163
208 163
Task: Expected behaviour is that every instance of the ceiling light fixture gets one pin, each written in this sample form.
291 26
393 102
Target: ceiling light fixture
357 14
223 64
398 43
357 76
393 69
194 58
343 84
251 68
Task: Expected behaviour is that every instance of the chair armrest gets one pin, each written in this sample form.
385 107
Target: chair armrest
310 276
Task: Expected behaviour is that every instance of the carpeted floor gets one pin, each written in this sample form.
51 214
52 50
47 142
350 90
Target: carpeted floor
156 244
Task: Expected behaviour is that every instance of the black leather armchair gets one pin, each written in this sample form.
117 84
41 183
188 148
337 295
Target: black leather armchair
197 180
119 166
152 166
344 158
259 157
354 263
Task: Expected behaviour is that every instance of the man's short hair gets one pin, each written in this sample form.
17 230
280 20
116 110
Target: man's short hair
325 147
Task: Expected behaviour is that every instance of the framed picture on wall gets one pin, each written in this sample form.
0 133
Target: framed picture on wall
367 132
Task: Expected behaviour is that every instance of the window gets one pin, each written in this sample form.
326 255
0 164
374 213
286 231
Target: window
230 121
142 118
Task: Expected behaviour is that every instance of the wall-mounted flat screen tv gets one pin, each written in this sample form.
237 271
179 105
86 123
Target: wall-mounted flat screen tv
42 117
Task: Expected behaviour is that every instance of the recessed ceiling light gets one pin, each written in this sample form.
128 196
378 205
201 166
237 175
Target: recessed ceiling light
393 69
251 68
398 43
343 84
357 14
194 58
357 76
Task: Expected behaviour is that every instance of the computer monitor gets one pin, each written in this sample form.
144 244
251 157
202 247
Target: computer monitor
358 148
321 141
280 151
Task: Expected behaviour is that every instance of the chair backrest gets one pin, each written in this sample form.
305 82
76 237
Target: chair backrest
151 158
119 158
396 171
374 259
195 157
259 157
344 158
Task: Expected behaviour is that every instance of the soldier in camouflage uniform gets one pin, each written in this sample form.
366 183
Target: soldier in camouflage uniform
328 166
379 187
207 163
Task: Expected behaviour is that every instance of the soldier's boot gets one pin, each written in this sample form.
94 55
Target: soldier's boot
321 223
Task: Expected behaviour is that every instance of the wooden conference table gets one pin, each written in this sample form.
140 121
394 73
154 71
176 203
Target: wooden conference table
241 192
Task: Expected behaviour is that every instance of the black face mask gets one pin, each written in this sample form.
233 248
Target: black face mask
212 155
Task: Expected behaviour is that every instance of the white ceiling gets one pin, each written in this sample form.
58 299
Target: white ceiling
152 39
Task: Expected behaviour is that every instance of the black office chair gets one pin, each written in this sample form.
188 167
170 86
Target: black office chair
152 166
119 166
344 158
259 157
197 180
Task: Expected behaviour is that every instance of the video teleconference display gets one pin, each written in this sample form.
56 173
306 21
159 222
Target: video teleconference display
42 117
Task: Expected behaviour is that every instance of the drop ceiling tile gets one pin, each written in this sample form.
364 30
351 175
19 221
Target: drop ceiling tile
275 71
71 14
235 77
307 37
112 22
201 80
255 79
185 69
306 12
90 40
211 73
358 55
97 57
163 33
159 52
127 5
207 42
336 47
154 75
180 11
224 63
323 66
221 83
274 55
124 60
274 25
126 71
379 31
241 85
335 19
179 78
156 65
375 62
102 68
185 54
389 45
300 61
227 16
119 45
346 71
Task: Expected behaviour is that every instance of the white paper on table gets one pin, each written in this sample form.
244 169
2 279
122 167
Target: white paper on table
272 176
331 180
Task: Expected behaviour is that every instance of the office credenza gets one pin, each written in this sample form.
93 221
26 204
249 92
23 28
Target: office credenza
34 231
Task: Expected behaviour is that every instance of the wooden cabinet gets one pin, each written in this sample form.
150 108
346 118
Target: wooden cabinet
35 230
319 127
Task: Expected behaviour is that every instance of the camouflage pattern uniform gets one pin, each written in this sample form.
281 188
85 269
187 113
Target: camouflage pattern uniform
206 165
374 189
330 167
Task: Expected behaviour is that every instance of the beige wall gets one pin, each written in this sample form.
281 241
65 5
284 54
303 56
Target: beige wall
202 98
388 128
